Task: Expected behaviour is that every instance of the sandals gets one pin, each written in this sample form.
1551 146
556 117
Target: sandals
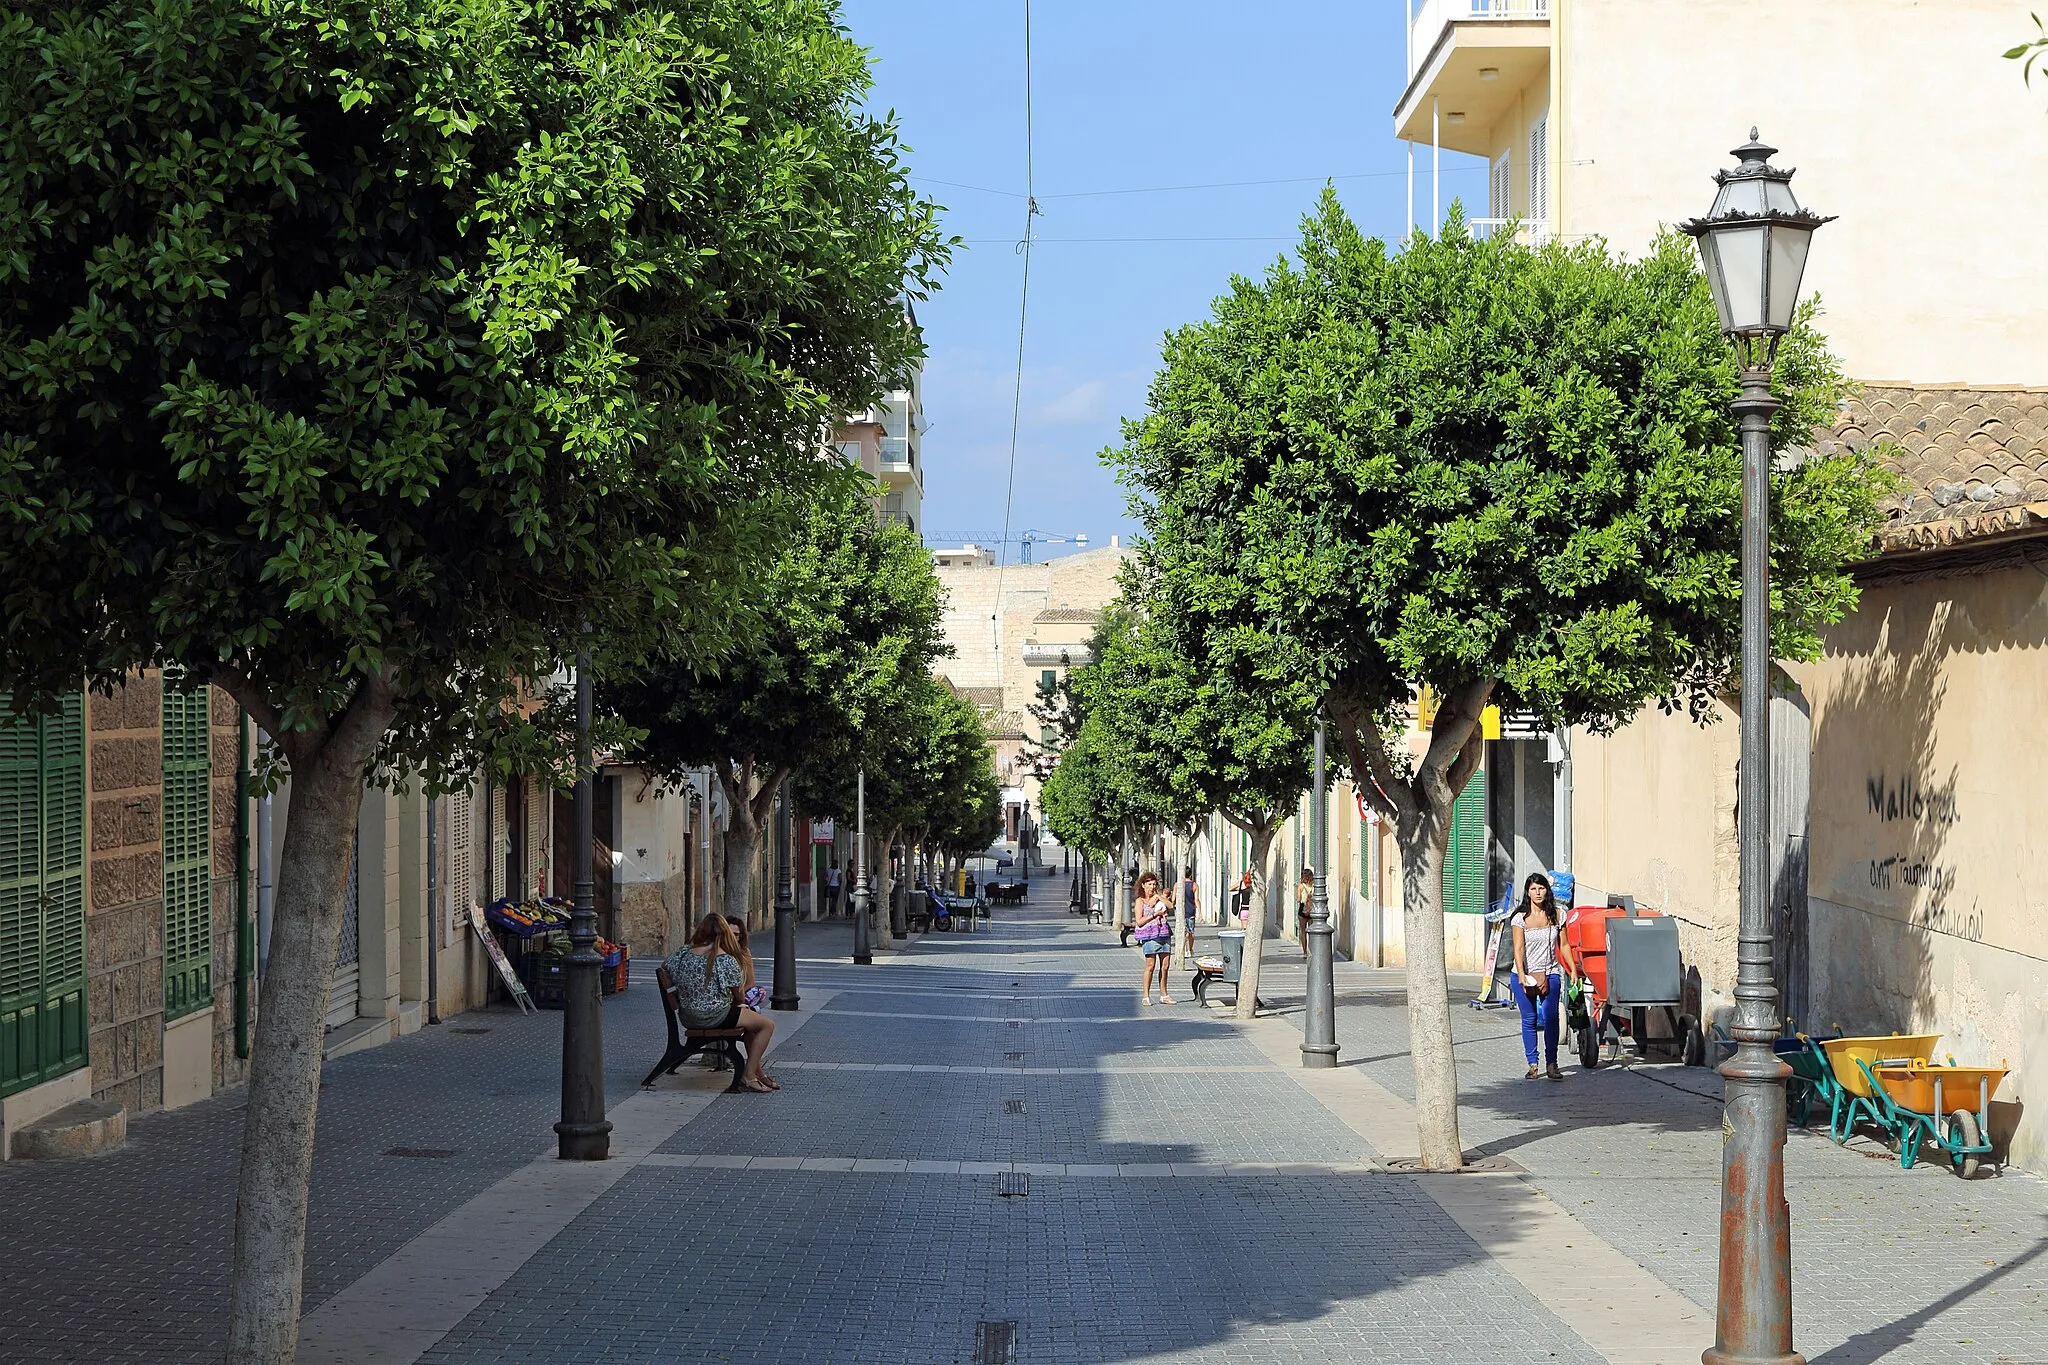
1165 999
1533 1072
757 1087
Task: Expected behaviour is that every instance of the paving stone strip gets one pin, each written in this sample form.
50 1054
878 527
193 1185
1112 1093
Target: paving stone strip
412 1298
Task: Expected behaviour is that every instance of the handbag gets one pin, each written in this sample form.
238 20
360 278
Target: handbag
1577 1017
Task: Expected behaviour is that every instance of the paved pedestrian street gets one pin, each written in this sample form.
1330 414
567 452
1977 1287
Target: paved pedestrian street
987 1150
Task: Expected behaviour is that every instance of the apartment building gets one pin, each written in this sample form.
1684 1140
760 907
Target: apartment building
887 441
1905 825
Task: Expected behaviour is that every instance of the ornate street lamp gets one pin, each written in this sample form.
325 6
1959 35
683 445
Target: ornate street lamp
1753 244
863 894
583 1133
782 996
1319 1025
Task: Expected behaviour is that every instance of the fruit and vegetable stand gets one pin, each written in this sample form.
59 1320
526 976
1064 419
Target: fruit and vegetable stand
535 936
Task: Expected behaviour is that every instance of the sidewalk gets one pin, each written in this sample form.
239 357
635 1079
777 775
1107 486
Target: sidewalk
986 1150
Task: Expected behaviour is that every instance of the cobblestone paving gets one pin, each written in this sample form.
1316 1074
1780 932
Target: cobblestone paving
124 1257
1889 1265
859 1267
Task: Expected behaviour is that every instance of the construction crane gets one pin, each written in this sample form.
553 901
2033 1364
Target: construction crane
1024 539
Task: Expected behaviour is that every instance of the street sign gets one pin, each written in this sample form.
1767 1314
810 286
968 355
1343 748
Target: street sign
821 831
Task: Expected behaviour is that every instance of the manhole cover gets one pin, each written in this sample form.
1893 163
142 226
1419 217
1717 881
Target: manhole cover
469 1030
995 1343
1411 1165
1014 1184
1013 1106
422 1151
1014 1056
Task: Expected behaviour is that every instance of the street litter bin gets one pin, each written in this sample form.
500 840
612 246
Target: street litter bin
1233 955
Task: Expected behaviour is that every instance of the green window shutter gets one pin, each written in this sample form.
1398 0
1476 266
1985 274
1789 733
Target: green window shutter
188 852
1465 861
42 897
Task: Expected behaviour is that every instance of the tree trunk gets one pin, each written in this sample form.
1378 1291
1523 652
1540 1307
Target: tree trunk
1255 924
284 1068
885 911
1424 841
741 838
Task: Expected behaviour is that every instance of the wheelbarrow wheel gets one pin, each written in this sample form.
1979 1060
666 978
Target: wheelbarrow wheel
1589 1047
1692 1043
1963 1134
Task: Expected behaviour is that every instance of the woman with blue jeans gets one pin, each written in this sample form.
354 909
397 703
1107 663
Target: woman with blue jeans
1543 961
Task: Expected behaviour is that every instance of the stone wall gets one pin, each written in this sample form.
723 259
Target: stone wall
124 894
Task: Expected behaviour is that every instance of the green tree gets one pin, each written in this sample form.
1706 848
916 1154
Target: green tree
358 355
929 778
1201 722
849 617
1508 475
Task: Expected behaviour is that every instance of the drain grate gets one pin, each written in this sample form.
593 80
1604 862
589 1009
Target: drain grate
1016 1023
1013 1106
436 1152
469 1030
1014 1185
1015 1056
995 1343
1410 1165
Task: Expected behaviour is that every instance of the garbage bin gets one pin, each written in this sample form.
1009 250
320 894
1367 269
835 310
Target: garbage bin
1233 955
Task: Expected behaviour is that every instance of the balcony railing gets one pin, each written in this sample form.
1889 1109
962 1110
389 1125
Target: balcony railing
1431 16
1528 231
896 452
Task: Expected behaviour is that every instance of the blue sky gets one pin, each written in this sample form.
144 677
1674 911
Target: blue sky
1128 94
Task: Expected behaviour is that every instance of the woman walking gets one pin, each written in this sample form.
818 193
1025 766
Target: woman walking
1155 934
1543 960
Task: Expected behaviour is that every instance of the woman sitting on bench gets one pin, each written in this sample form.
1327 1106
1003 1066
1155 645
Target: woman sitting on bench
711 989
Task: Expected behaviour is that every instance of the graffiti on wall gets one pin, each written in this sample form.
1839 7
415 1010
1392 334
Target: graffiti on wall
1916 873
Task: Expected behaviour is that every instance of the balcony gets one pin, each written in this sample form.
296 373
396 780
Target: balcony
1529 232
896 455
1469 62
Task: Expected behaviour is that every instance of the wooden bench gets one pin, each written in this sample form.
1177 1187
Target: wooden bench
685 1042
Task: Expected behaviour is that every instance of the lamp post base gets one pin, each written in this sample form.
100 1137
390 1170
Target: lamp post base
1316 1056
1753 1317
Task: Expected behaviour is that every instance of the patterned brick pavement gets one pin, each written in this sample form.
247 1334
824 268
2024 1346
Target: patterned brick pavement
1184 1202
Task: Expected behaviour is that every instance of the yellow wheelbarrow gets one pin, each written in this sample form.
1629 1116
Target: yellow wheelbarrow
1949 1104
1851 1059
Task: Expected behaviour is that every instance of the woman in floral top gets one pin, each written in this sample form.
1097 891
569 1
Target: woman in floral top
711 991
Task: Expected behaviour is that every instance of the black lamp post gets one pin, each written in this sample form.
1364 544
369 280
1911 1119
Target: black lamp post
782 996
863 894
583 1133
1319 1023
1753 243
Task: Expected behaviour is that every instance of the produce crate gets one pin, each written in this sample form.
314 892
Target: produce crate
547 978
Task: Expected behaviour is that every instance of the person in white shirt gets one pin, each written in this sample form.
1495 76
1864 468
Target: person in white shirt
832 888
1542 958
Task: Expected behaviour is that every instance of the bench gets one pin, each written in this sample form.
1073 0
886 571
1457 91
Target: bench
1211 970
685 1042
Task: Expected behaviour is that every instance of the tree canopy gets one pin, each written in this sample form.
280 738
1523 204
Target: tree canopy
848 627
1509 474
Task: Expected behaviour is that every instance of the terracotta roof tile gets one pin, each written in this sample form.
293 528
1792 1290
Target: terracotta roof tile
1964 455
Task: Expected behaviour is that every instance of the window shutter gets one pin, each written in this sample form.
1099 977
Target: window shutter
1498 204
461 886
498 842
1539 170
535 866
42 897
188 854
1465 860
